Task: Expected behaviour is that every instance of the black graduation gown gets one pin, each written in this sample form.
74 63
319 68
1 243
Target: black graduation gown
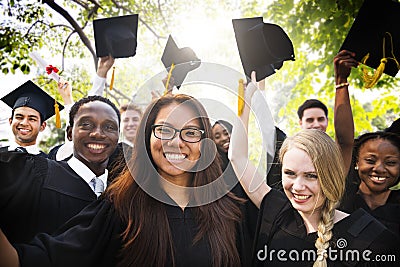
388 214
274 176
38 195
41 153
249 210
281 228
92 238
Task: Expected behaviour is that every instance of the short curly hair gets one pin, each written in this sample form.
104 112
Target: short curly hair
92 98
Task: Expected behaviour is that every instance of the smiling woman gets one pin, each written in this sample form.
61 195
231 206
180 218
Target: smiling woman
187 218
375 171
304 218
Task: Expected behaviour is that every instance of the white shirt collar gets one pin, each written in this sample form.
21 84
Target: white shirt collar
84 172
127 142
32 149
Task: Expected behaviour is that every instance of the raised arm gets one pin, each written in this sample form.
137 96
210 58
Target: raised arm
8 254
266 122
252 181
65 90
99 81
343 117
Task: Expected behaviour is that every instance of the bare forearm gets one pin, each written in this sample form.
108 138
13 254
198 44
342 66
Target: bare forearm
344 124
8 254
344 61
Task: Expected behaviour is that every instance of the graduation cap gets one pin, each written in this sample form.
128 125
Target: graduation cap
263 47
395 127
375 38
116 36
32 96
179 61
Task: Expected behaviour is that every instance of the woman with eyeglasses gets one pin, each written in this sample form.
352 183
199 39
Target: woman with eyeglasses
170 209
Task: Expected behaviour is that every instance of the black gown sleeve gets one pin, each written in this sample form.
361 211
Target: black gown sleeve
91 238
272 206
21 180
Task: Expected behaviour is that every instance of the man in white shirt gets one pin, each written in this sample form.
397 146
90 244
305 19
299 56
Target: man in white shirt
31 107
38 194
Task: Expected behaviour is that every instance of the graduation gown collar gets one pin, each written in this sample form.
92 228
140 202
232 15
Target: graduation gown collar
32 149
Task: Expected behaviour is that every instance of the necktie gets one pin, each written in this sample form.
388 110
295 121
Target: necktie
97 185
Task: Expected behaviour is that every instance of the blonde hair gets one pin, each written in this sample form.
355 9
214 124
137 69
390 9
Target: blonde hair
328 162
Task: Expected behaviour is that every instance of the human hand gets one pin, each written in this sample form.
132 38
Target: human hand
343 62
251 88
155 95
105 64
65 90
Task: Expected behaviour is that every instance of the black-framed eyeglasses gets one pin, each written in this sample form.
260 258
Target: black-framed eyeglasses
189 134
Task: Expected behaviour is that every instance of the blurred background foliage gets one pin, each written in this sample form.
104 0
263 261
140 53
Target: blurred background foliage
62 31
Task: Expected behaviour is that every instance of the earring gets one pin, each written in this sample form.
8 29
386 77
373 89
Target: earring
356 167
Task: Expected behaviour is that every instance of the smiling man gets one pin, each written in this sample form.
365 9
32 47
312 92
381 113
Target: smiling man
40 195
313 114
31 107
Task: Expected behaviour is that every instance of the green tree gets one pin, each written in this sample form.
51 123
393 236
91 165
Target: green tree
64 29
317 30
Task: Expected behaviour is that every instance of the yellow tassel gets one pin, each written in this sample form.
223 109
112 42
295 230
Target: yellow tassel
112 79
168 78
240 97
58 118
371 80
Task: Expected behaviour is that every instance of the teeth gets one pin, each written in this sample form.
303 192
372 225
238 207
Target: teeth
96 146
225 145
171 156
377 178
300 197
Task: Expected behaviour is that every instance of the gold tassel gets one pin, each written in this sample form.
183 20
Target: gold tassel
240 97
112 79
371 80
168 78
58 118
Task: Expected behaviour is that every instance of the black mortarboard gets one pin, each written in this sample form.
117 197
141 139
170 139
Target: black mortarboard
395 127
263 47
116 36
30 95
178 56
376 25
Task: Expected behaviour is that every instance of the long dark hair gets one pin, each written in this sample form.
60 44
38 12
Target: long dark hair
146 234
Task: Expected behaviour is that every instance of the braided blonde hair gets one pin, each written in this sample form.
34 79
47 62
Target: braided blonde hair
328 162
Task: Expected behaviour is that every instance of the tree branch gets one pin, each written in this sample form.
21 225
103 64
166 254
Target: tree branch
142 21
75 25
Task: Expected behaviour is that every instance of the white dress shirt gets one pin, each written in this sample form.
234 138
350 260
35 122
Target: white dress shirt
83 171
